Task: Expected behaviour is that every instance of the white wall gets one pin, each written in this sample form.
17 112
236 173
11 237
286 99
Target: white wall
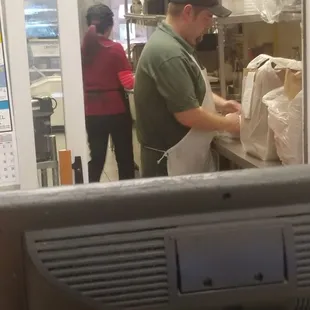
284 36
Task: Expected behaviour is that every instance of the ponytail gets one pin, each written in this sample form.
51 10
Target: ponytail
99 19
90 46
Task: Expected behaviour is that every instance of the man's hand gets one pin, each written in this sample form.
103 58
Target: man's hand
234 122
231 106
226 106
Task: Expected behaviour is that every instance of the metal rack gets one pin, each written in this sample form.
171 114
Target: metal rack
240 19
51 164
233 19
153 20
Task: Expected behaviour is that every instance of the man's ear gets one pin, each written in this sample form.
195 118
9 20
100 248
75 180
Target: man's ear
188 11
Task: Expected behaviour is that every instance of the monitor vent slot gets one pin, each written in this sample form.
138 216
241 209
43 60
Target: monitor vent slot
302 304
123 270
302 248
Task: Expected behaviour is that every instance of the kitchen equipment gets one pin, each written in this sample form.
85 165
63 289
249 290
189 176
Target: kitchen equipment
42 110
136 7
137 49
158 7
209 42
51 86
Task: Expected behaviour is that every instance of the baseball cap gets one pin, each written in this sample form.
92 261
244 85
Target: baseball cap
212 5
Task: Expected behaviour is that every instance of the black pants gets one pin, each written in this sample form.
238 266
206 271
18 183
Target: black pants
99 128
150 166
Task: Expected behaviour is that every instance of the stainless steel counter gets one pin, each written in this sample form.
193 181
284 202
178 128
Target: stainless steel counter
229 149
232 150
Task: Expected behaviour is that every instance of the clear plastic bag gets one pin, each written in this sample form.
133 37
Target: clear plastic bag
285 120
270 9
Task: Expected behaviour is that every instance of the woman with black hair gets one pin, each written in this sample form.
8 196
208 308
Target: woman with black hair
106 72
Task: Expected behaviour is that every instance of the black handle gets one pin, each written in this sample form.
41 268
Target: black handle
78 171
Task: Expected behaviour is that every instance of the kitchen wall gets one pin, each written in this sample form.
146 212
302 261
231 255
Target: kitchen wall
284 37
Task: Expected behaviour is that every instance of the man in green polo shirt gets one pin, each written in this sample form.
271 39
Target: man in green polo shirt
170 89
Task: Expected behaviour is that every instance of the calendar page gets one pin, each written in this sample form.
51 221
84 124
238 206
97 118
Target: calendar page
5 108
8 160
8 148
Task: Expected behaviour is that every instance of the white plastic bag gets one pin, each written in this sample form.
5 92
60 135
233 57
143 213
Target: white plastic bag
285 120
295 130
256 137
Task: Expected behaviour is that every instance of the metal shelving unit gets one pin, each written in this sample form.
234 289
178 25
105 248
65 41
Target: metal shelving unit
151 19
233 19
241 19
221 23
254 18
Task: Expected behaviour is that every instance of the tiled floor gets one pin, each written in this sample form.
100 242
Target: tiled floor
110 170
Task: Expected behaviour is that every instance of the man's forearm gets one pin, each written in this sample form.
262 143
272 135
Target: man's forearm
203 120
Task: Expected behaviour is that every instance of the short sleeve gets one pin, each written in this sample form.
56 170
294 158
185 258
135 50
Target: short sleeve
174 82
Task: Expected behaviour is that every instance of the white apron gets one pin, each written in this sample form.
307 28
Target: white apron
193 154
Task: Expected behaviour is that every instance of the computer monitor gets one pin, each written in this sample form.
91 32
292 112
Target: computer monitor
234 240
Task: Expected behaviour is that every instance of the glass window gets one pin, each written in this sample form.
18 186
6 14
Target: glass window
46 86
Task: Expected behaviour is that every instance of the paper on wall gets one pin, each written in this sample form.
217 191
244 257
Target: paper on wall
5 116
8 160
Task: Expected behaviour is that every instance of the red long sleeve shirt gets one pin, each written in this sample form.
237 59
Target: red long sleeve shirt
103 79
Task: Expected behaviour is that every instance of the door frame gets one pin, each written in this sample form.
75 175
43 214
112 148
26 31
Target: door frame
17 62
72 81
306 80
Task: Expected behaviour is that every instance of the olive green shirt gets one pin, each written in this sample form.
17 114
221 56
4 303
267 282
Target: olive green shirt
167 81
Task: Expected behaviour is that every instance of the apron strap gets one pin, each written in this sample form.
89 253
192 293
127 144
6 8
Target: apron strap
160 159
165 153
